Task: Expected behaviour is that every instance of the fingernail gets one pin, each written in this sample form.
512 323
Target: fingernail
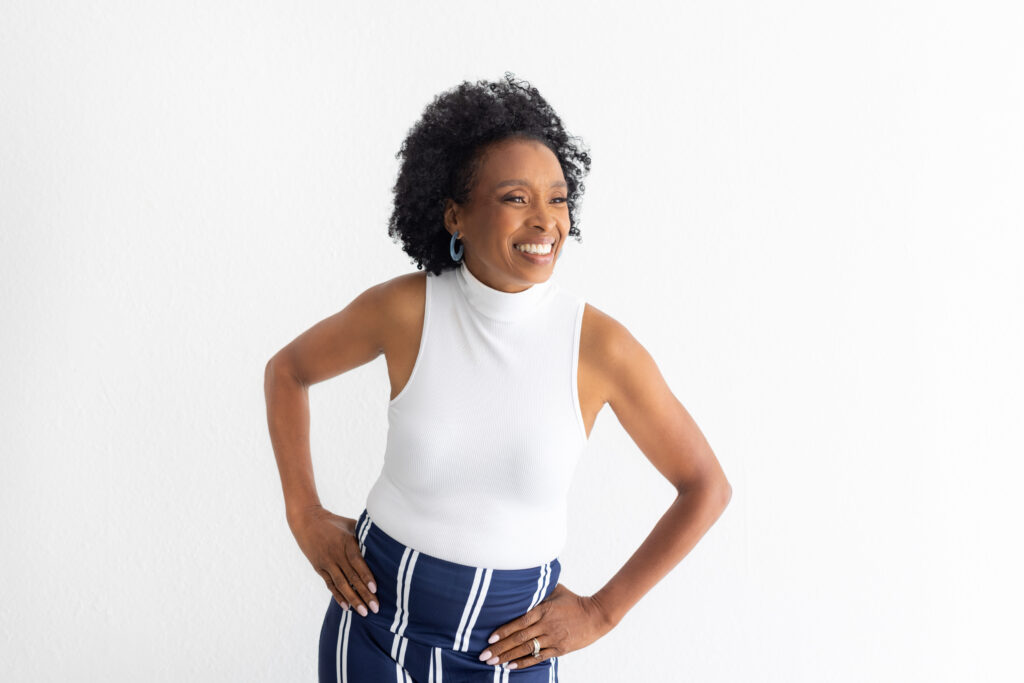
361 609
372 586
493 639
492 660
512 665
344 605
485 655
374 606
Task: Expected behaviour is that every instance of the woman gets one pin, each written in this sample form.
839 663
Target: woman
497 376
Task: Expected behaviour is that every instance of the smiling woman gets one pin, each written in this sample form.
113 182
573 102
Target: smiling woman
497 376
521 221
451 145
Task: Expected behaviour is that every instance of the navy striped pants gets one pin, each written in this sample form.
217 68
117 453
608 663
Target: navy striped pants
434 620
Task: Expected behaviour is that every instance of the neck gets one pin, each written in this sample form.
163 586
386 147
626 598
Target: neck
497 304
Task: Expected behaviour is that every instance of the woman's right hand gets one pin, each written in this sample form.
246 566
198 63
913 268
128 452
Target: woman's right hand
330 544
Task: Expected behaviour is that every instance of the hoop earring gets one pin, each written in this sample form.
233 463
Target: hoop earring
451 248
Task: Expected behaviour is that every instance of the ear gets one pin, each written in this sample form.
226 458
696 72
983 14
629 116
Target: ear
451 216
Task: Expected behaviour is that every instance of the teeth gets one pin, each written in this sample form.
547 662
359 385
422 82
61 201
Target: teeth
534 248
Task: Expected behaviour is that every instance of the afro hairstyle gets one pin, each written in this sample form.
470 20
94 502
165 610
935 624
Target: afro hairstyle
442 153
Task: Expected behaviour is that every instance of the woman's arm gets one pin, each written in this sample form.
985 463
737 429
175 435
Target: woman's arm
335 345
663 429
287 399
347 339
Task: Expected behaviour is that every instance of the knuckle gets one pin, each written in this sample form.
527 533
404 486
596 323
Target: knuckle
360 589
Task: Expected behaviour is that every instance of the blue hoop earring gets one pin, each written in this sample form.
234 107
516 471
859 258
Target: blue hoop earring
451 248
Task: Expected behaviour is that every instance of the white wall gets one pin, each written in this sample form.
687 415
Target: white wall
809 213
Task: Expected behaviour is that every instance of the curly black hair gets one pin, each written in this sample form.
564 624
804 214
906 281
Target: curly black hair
442 155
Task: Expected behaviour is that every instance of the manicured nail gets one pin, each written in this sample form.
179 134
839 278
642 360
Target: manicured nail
492 660
374 606
344 605
512 665
372 586
485 655
361 609
493 639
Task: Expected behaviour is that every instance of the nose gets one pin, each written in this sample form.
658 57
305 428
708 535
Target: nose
546 220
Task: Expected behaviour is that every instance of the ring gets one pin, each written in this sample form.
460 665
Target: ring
536 648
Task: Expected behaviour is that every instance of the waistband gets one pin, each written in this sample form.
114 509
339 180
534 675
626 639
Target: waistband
443 603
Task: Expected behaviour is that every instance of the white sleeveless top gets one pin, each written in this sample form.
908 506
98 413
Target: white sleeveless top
484 438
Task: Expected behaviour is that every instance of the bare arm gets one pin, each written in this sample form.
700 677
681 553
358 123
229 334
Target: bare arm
666 433
288 420
628 379
345 340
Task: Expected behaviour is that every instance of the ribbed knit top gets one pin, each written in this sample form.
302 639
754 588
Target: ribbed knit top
484 438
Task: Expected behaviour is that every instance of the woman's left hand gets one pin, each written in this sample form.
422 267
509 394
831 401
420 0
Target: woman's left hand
561 623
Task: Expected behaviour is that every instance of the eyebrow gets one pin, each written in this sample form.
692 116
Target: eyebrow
520 181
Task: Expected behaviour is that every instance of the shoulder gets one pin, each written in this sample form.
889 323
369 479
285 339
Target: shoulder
402 296
358 333
611 353
604 336
386 308
401 287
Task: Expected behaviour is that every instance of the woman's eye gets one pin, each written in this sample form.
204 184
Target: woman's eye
560 199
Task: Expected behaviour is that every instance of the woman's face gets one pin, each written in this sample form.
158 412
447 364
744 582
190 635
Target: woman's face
520 197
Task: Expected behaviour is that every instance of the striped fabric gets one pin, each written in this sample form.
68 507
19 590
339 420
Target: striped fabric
434 620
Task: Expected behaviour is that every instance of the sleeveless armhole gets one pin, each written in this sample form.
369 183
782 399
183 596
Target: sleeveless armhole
423 338
576 338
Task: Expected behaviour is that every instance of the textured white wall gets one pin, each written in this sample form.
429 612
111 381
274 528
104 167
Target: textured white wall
809 213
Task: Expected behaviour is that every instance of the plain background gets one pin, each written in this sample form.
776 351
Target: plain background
808 212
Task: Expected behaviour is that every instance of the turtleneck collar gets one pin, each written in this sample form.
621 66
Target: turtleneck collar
499 305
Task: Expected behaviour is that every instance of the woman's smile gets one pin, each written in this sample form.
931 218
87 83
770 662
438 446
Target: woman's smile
537 253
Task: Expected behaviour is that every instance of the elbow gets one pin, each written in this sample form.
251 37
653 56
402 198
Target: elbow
279 367
721 489
714 489
273 371
725 493
268 371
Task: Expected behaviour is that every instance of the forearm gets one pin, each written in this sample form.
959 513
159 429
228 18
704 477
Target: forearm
288 420
688 518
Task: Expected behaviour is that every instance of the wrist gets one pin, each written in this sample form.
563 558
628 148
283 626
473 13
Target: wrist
610 619
296 514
